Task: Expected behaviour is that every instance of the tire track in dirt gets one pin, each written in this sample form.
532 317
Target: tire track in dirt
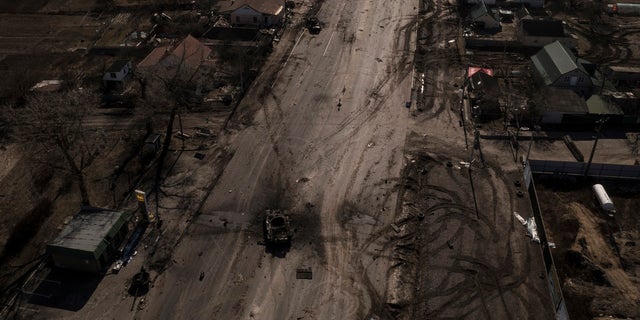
464 280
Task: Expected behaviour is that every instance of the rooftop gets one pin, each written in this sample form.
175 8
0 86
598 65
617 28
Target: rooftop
189 52
599 105
483 80
272 7
560 100
554 60
88 229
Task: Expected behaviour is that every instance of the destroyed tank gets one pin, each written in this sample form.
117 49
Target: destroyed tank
277 227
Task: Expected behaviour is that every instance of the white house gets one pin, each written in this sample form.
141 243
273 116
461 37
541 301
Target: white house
253 13
117 72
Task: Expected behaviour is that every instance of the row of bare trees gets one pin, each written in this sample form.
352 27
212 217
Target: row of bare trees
50 126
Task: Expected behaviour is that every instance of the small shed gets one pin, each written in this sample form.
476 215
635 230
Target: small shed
117 72
90 241
483 17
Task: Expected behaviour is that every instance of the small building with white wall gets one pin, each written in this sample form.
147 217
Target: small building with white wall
253 13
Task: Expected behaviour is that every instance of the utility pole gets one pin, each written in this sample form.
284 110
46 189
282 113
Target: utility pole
599 125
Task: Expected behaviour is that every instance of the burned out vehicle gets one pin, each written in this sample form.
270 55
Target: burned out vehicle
277 227
313 24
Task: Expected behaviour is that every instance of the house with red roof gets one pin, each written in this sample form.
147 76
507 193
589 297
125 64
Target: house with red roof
185 59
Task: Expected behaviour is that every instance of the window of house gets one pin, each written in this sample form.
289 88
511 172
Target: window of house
113 75
566 79
581 80
255 19
237 18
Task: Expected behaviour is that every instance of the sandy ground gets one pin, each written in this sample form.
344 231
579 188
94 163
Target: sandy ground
595 254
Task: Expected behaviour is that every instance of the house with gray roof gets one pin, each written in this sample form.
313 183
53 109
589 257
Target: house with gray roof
556 66
483 17
90 241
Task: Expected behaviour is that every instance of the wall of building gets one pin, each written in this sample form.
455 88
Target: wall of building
533 41
575 80
246 16
76 260
118 76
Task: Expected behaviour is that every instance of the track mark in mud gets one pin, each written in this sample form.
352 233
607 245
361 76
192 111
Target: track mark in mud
461 265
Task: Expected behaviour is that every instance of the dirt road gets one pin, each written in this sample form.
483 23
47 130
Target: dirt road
327 145
325 134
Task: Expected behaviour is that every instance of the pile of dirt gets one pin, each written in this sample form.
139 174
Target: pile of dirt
595 254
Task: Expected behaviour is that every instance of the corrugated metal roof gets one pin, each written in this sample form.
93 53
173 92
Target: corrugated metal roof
88 229
554 60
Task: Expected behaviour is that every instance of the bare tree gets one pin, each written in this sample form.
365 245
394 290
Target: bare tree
51 126
171 89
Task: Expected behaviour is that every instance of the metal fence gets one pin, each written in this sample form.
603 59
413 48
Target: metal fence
602 170
555 289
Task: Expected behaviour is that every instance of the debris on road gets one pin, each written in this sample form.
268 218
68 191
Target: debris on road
201 276
182 135
530 224
303 179
395 227
203 132
304 273
199 155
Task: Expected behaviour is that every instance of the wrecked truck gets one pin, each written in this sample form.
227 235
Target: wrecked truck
277 227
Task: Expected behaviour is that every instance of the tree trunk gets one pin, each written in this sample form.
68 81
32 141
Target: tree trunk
78 174
83 189
165 150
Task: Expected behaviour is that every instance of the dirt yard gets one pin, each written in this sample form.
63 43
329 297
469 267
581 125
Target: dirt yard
596 255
